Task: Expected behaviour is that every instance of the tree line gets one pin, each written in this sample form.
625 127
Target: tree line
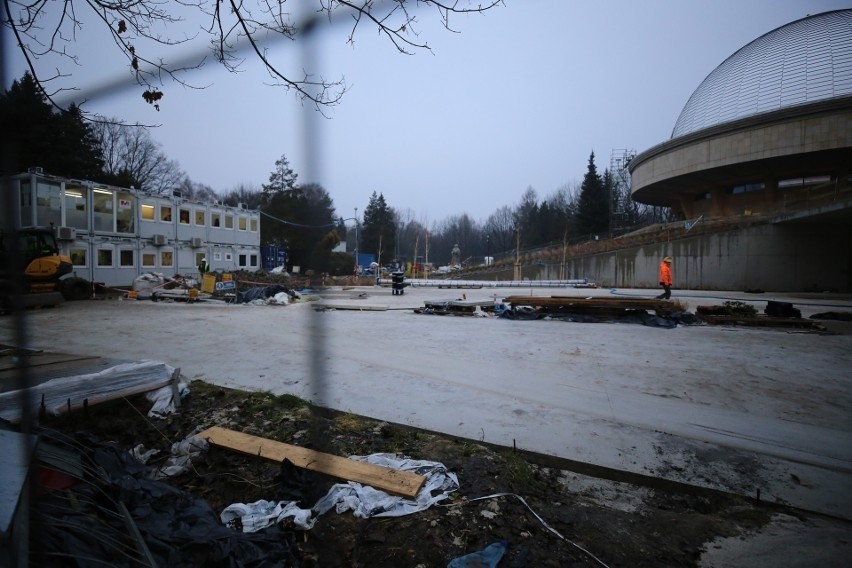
302 217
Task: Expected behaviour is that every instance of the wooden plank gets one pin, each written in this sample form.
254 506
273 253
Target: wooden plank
401 483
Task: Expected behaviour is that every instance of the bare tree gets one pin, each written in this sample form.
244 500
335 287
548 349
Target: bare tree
459 230
132 157
142 30
196 191
408 230
500 228
252 197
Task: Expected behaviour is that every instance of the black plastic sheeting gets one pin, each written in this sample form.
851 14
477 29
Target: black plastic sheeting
262 293
82 525
839 316
670 321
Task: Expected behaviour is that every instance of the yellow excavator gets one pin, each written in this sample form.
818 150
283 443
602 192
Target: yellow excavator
41 268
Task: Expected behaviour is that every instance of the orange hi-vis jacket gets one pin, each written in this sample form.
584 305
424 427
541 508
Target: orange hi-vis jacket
665 274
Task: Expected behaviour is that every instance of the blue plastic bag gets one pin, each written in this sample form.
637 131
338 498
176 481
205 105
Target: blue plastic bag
486 558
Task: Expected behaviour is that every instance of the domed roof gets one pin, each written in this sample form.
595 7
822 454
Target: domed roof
802 62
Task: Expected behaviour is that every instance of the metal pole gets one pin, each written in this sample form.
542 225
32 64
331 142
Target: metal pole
517 275
357 263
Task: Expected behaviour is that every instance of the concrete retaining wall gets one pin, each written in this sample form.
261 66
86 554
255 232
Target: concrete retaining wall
772 258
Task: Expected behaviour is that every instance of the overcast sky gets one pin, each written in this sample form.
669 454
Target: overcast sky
519 98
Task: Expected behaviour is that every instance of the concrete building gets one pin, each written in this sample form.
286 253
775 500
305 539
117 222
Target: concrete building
764 142
758 169
115 234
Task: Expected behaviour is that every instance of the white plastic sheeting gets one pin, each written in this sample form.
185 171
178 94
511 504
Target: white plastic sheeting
123 379
363 501
164 400
181 456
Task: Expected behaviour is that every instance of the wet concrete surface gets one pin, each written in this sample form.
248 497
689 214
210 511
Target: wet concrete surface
747 410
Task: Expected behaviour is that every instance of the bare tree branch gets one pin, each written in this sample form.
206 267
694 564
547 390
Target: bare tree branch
141 30
130 151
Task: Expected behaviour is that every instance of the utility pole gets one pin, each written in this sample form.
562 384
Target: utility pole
357 263
517 254
426 262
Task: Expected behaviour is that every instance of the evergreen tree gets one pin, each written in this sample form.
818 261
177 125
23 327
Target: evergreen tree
549 226
61 143
593 210
281 180
378 233
25 118
299 218
83 158
611 192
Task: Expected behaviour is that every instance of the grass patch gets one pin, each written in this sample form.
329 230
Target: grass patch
252 402
520 471
350 423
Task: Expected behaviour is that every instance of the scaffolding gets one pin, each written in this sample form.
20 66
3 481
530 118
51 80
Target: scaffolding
620 188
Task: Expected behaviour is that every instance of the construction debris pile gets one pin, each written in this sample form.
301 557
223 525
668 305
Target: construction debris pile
776 314
155 286
276 294
649 312
588 310
101 491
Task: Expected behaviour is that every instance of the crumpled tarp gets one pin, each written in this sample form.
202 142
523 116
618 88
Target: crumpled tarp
363 501
275 293
181 456
85 521
145 284
164 400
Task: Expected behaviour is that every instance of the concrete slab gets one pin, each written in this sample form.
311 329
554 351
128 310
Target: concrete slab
745 410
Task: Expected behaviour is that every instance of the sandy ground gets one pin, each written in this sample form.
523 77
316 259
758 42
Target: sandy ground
755 411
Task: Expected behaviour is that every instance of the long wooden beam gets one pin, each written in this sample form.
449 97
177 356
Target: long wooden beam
402 483
574 302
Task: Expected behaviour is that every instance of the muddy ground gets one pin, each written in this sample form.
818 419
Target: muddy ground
554 516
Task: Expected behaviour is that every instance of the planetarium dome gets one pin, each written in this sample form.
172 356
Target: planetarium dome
800 63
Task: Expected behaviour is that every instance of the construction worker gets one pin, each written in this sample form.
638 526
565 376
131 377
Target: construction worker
666 278
203 267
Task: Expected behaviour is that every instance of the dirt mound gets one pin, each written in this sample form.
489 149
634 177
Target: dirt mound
547 514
